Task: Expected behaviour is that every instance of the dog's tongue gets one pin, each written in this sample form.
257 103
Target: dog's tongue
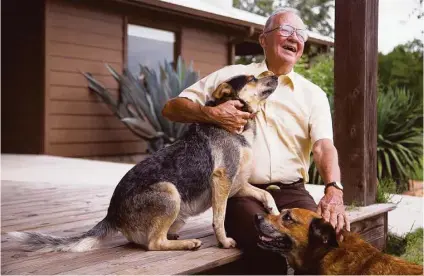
263 238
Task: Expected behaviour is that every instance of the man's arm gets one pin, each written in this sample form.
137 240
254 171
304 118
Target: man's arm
225 115
331 206
326 159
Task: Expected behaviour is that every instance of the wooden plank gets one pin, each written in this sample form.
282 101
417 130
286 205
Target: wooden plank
132 261
79 10
78 80
65 35
188 263
85 122
63 196
58 221
202 35
23 213
102 261
46 197
356 33
77 65
88 25
205 68
91 135
93 149
86 52
79 108
372 230
54 219
361 213
187 45
58 92
121 257
199 55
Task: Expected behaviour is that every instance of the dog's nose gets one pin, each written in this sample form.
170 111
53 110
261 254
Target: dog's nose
258 218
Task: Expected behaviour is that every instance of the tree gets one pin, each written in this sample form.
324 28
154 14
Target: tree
260 7
403 67
315 13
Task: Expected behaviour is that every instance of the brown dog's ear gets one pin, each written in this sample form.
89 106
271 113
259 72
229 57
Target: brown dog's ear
265 74
322 234
222 90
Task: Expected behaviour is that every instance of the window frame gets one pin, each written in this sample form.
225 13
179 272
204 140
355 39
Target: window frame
155 25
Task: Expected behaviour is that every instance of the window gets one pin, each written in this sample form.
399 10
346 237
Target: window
149 47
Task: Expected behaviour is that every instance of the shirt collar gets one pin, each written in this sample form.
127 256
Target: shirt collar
287 79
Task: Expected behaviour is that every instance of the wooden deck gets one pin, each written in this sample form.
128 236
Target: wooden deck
64 196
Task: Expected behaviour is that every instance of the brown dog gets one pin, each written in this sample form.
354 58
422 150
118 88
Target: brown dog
311 247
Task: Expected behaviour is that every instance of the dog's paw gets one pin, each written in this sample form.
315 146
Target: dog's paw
227 243
194 244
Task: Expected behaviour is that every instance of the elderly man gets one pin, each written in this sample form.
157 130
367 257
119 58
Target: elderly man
294 120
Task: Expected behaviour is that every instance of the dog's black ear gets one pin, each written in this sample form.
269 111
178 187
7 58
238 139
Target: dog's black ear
238 82
222 90
321 233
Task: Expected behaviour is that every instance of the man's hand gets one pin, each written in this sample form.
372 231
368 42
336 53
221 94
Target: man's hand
332 209
228 116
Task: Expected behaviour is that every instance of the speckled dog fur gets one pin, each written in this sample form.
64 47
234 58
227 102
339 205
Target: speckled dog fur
154 199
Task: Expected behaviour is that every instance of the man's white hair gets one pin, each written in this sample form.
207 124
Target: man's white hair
270 19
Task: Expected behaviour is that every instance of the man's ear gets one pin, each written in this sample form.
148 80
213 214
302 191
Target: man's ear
262 40
222 90
321 233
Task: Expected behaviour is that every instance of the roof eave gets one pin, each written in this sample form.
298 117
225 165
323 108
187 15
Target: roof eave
250 27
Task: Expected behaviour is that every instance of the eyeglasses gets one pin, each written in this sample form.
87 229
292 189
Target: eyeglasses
287 30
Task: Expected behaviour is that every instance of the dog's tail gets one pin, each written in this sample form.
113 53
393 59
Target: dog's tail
45 243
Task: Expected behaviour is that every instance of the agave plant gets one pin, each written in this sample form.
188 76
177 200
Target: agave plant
399 129
142 99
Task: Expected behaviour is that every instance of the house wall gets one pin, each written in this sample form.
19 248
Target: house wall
84 36
22 77
80 38
208 50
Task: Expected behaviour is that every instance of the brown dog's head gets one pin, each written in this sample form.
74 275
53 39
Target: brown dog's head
299 234
248 89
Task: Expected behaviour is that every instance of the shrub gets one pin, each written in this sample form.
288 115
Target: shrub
141 100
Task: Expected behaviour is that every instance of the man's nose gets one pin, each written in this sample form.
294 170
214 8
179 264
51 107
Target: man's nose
293 38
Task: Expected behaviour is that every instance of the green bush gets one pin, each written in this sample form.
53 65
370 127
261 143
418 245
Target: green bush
408 247
399 135
142 99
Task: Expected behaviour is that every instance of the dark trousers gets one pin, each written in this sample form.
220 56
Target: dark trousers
239 224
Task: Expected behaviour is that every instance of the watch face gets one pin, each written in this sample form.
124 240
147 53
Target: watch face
338 185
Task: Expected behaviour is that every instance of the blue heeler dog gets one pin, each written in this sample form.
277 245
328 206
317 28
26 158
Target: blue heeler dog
202 169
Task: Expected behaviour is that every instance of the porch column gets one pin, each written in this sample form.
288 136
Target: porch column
355 72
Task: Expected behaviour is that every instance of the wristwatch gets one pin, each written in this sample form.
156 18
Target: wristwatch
335 184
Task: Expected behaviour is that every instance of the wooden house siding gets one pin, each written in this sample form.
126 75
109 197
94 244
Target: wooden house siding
207 50
81 38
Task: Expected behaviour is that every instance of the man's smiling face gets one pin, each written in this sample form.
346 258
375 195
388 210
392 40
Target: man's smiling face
279 48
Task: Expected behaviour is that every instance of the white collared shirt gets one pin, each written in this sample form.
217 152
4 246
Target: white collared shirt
293 118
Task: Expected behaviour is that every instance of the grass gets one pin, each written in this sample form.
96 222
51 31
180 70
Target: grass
385 189
408 247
